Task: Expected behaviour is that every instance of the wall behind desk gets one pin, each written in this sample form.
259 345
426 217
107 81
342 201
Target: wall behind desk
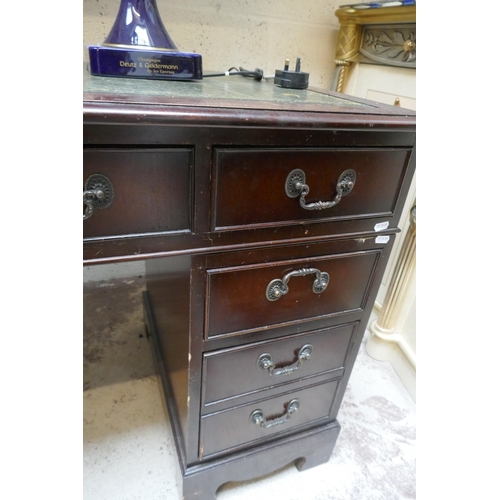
248 33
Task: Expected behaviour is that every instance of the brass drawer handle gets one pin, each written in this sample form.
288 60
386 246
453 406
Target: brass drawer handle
265 362
276 288
295 185
98 193
257 416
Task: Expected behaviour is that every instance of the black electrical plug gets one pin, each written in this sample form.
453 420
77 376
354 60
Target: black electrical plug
258 74
291 79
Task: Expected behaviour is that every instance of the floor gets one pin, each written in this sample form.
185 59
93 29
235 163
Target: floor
129 453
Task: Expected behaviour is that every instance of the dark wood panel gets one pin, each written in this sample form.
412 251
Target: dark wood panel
237 302
233 428
233 372
147 114
110 133
152 191
254 181
168 286
147 247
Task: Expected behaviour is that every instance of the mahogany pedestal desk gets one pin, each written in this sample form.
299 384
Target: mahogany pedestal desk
265 217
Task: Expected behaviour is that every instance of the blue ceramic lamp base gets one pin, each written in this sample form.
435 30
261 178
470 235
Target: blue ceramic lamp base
144 62
138 46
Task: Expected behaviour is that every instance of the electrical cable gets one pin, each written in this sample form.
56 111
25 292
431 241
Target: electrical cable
258 74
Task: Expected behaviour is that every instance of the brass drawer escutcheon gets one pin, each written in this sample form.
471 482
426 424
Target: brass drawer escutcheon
99 193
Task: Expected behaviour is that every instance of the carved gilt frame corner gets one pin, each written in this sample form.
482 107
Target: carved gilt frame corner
362 31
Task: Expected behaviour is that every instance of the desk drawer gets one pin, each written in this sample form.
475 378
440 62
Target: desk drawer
152 191
263 419
255 182
239 299
240 371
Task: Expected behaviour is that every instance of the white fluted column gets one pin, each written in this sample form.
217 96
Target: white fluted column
383 336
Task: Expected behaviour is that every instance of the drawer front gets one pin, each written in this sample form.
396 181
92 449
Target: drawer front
240 371
241 426
237 297
152 191
255 182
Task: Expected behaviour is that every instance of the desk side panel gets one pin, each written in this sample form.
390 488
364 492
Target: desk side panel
168 289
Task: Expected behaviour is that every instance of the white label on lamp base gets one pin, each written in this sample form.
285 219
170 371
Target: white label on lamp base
382 239
381 226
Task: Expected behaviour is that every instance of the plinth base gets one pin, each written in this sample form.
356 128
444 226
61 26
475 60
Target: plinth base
144 62
305 449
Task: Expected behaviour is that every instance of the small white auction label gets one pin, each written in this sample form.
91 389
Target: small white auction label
382 239
381 226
